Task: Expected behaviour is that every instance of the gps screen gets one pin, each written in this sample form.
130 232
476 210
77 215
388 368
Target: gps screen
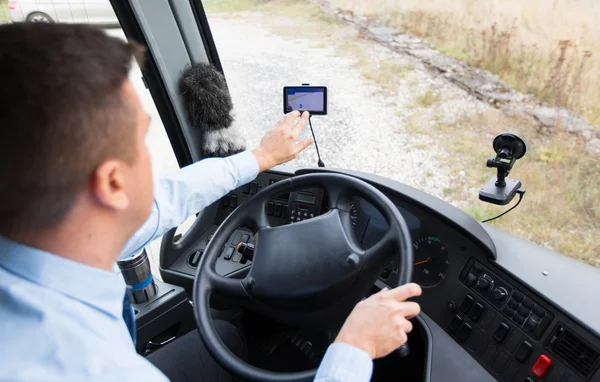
311 99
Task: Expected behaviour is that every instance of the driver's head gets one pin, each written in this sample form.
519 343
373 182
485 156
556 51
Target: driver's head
72 132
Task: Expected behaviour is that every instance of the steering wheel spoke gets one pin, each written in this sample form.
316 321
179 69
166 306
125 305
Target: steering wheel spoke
230 287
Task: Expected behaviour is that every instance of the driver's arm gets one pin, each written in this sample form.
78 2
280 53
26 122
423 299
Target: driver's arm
376 327
196 186
190 190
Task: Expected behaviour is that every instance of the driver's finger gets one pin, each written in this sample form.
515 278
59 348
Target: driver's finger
409 309
290 118
303 144
301 124
404 292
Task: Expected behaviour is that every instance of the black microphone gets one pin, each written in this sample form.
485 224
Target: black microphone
209 107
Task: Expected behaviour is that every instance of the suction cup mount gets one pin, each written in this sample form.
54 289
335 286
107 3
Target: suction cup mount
501 190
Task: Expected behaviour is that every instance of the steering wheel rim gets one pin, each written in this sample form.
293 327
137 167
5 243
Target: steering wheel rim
252 213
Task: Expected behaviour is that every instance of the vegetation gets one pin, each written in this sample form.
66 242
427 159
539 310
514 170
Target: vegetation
561 209
552 61
3 11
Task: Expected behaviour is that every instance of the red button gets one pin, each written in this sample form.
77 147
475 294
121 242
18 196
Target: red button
541 366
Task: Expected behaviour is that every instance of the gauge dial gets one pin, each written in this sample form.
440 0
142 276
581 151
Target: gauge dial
431 261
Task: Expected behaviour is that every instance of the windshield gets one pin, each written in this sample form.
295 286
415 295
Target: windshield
417 93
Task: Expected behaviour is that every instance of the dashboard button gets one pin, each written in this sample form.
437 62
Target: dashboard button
278 209
467 303
236 238
237 257
245 238
455 323
524 351
500 362
285 210
464 332
541 366
195 259
225 201
477 312
513 304
528 303
531 325
270 208
233 199
228 253
246 188
471 279
518 319
518 296
508 311
523 311
501 332
539 312
253 188
477 267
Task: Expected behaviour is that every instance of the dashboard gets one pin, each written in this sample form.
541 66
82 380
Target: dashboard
513 331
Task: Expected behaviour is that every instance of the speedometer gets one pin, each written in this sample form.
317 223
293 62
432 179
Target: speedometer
431 261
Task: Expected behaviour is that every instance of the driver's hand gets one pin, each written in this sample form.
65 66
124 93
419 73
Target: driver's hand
280 144
380 323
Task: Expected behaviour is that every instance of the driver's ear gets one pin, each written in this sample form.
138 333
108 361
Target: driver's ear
108 185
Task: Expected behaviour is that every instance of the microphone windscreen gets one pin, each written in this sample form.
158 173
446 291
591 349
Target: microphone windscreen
206 97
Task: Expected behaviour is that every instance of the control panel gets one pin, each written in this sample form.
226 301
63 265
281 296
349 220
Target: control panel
512 303
513 333
284 209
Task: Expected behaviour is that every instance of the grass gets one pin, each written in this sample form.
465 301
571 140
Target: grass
560 209
428 99
552 61
3 11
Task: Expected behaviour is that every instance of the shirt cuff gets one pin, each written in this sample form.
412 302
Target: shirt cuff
345 363
246 166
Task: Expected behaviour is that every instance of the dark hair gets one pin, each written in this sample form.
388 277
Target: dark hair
62 113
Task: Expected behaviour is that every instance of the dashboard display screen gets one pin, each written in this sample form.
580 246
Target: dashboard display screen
306 198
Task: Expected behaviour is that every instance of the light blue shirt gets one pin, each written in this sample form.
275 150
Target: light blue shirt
61 320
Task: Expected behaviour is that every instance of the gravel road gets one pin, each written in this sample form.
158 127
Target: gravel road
360 131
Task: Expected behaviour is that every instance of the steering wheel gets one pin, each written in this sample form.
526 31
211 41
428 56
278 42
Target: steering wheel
307 274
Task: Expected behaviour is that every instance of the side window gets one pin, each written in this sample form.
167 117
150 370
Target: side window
100 12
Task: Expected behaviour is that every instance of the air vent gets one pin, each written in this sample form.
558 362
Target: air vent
574 351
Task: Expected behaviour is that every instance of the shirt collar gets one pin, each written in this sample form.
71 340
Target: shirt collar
98 288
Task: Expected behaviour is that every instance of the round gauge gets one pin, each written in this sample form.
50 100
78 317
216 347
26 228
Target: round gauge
431 261
353 214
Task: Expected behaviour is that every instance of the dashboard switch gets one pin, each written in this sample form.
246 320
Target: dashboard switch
455 323
501 332
467 303
524 351
270 208
485 283
228 253
541 366
477 312
464 332
278 210
500 294
233 199
253 188
471 279
531 324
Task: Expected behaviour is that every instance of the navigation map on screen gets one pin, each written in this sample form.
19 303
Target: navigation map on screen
305 99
